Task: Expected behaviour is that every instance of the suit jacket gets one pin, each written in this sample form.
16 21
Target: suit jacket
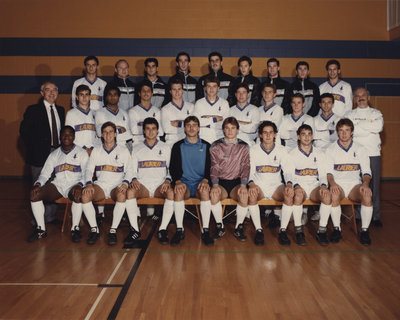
36 133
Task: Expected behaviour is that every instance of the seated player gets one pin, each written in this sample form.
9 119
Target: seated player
347 160
230 167
113 167
246 114
81 118
267 160
174 113
67 163
270 111
190 172
150 178
310 182
211 111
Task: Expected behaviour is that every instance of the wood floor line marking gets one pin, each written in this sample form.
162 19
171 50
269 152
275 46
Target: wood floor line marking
66 250
274 251
48 284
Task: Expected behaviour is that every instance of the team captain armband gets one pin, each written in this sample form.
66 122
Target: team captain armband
67 167
85 126
109 168
306 172
152 164
268 169
338 97
346 167
96 97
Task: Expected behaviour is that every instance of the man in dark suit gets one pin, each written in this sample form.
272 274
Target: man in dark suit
40 131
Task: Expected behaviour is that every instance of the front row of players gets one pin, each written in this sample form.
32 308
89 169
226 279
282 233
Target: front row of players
227 168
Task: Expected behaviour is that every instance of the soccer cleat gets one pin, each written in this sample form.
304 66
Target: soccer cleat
162 236
336 235
259 238
178 237
283 238
274 221
100 219
76 235
131 237
364 238
315 216
239 233
219 231
301 239
205 237
93 236
36 235
322 238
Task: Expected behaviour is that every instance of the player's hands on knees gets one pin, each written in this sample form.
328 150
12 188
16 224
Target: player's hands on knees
203 186
253 190
365 191
135 184
89 190
324 192
289 191
335 189
215 191
242 191
77 193
122 188
165 186
35 190
180 187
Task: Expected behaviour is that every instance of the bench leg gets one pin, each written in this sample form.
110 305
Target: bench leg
65 216
199 218
354 220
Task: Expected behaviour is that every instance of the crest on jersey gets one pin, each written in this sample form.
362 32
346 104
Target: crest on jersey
160 153
315 159
341 88
74 156
187 112
99 88
247 114
355 155
219 109
116 157
274 158
123 118
154 115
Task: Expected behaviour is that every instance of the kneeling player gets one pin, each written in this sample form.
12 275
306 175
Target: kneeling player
267 159
113 167
67 162
347 160
309 178
150 178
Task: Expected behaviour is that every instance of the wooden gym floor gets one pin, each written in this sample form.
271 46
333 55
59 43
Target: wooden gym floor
54 278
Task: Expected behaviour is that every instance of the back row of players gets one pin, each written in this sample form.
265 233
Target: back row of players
212 119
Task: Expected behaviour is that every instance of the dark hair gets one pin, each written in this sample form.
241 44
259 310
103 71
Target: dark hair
108 124
244 58
211 79
304 127
149 60
121 60
82 87
150 120
91 58
327 95
333 61
191 118
214 53
67 128
267 124
273 60
302 63
182 53
298 95
242 85
108 88
146 83
175 80
230 120
268 85
344 122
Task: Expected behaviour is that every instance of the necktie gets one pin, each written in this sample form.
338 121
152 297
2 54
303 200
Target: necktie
54 127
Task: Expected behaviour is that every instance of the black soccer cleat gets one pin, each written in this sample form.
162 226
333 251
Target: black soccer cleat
36 235
336 235
283 238
259 238
301 239
274 221
131 237
322 238
206 238
93 236
76 235
112 237
162 237
364 238
219 231
178 237
239 233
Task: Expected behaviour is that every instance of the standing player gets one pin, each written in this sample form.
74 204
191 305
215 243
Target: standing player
95 84
340 89
174 113
113 166
270 111
67 163
211 111
347 161
190 172
230 167
274 78
267 160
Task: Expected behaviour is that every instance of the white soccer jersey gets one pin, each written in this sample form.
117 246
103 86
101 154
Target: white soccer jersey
172 112
309 169
325 130
67 166
342 94
119 118
273 113
248 117
150 164
289 126
111 167
96 95
208 114
368 123
346 165
265 167
84 124
136 117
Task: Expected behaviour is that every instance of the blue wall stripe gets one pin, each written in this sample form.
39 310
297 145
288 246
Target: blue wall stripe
199 47
31 84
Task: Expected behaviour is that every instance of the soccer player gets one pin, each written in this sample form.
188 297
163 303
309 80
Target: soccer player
190 172
270 111
246 114
230 168
174 113
347 161
95 84
81 118
340 89
211 111
113 166
310 182
245 76
274 77
267 160
67 163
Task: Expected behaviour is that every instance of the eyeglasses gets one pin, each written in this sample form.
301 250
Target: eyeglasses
50 89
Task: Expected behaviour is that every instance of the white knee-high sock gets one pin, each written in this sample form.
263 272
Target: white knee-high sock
168 211
205 211
101 209
133 212
324 212
76 210
38 213
286 214
336 212
255 216
216 210
278 212
118 212
240 214
297 213
179 208
90 214
366 216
